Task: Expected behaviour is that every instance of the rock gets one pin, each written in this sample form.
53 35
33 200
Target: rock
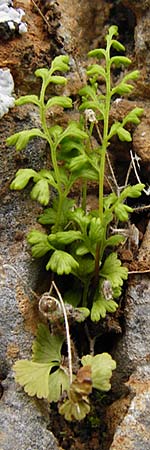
136 6
135 342
134 431
133 362
23 423
10 20
145 247
141 138
6 90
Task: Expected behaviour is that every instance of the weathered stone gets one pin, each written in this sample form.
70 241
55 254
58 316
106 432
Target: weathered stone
134 345
134 431
23 422
141 139
133 357
23 425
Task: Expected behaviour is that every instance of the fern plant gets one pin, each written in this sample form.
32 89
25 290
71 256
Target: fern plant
79 243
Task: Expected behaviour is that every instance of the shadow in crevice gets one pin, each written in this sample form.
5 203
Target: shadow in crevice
125 19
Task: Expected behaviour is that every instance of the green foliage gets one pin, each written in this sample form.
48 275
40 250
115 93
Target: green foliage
101 366
39 242
101 306
78 243
75 410
21 139
22 178
95 373
35 376
62 263
113 271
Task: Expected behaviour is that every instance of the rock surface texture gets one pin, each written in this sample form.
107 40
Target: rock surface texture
72 27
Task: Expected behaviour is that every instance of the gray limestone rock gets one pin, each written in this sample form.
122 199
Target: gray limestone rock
23 424
134 431
133 361
23 420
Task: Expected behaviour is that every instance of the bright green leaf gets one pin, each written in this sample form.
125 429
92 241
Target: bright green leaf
131 75
114 240
119 60
113 30
122 88
60 63
95 69
21 139
34 377
62 262
56 79
48 217
94 105
27 99
74 411
39 242
46 347
88 92
49 175
110 200
100 308
56 132
133 116
64 102
22 178
43 73
117 45
114 129
107 217
78 162
74 130
124 135
68 144
82 250
86 172
64 237
82 219
58 383
95 232
114 271
98 52
102 366
122 211
132 191
40 192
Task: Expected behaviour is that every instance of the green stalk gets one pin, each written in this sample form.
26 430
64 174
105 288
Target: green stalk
53 148
100 246
84 195
105 135
42 112
60 203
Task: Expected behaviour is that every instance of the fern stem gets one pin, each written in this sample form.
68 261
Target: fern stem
100 249
84 195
